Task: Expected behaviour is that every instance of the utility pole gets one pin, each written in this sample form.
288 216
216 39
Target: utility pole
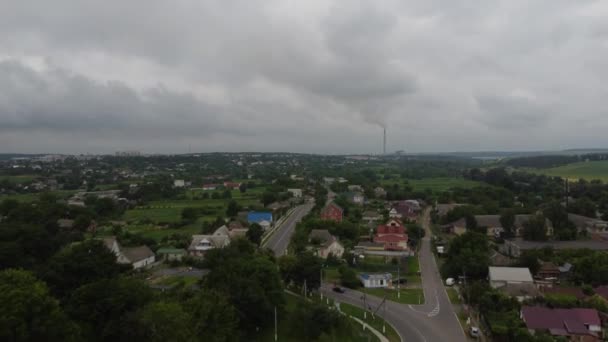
398 277
321 282
384 314
305 292
364 305
276 335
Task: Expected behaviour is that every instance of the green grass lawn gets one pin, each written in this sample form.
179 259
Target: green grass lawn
408 296
434 184
453 295
157 233
284 324
376 322
60 194
575 171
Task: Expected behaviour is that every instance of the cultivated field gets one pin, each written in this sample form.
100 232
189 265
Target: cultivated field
583 170
434 184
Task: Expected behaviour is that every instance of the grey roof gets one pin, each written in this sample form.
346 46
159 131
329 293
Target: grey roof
65 223
584 221
322 235
510 274
135 254
375 276
520 290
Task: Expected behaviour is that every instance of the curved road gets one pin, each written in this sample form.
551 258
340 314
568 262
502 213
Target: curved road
434 321
279 240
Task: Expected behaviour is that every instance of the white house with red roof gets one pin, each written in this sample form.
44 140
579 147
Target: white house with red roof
392 235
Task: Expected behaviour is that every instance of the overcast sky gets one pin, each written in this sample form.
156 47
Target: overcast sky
314 76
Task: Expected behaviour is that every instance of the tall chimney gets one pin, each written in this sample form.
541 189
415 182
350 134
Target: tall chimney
384 142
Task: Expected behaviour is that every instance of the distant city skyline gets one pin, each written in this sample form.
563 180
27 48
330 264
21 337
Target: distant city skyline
312 76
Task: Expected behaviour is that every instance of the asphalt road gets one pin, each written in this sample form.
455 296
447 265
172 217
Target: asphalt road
434 321
279 240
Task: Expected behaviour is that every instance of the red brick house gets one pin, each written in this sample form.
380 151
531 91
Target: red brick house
332 212
392 235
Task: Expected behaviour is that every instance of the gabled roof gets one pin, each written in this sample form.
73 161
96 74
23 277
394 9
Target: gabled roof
258 216
135 254
510 274
559 321
376 276
322 235
333 204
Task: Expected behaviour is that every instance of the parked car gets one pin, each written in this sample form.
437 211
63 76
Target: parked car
338 289
450 282
474 332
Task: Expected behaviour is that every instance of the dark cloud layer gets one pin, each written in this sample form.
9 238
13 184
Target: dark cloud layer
314 76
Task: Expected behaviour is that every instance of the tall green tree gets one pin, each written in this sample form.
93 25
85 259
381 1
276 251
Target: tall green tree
507 220
536 228
468 254
80 264
254 233
29 312
189 214
168 321
106 309
233 209
213 317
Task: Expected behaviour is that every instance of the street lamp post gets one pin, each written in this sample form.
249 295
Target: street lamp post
398 278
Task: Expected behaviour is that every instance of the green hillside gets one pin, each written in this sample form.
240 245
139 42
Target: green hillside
585 170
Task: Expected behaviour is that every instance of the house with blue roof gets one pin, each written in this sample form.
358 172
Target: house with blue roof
264 219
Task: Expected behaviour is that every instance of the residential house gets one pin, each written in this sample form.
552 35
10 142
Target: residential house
514 281
232 185
406 210
392 235
65 223
209 187
332 212
297 193
376 280
355 197
264 219
371 216
493 225
179 183
379 192
355 188
328 180
238 233
581 325
589 224
515 247
548 272
201 244
137 257
325 243
171 254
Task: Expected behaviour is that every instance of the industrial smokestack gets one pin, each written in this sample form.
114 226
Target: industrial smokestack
384 142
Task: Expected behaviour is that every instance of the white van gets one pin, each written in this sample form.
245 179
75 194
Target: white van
450 282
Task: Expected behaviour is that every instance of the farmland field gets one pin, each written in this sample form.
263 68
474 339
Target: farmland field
585 170
18 179
434 184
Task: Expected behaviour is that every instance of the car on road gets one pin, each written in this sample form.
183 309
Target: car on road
338 289
474 332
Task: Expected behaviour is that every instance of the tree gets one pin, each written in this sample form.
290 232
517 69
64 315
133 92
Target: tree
530 261
249 279
29 312
243 188
415 232
348 277
254 233
189 214
165 321
106 309
213 317
507 220
467 254
536 228
80 264
268 197
233 209
227 194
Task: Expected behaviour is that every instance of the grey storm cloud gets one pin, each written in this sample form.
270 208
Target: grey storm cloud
305 76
